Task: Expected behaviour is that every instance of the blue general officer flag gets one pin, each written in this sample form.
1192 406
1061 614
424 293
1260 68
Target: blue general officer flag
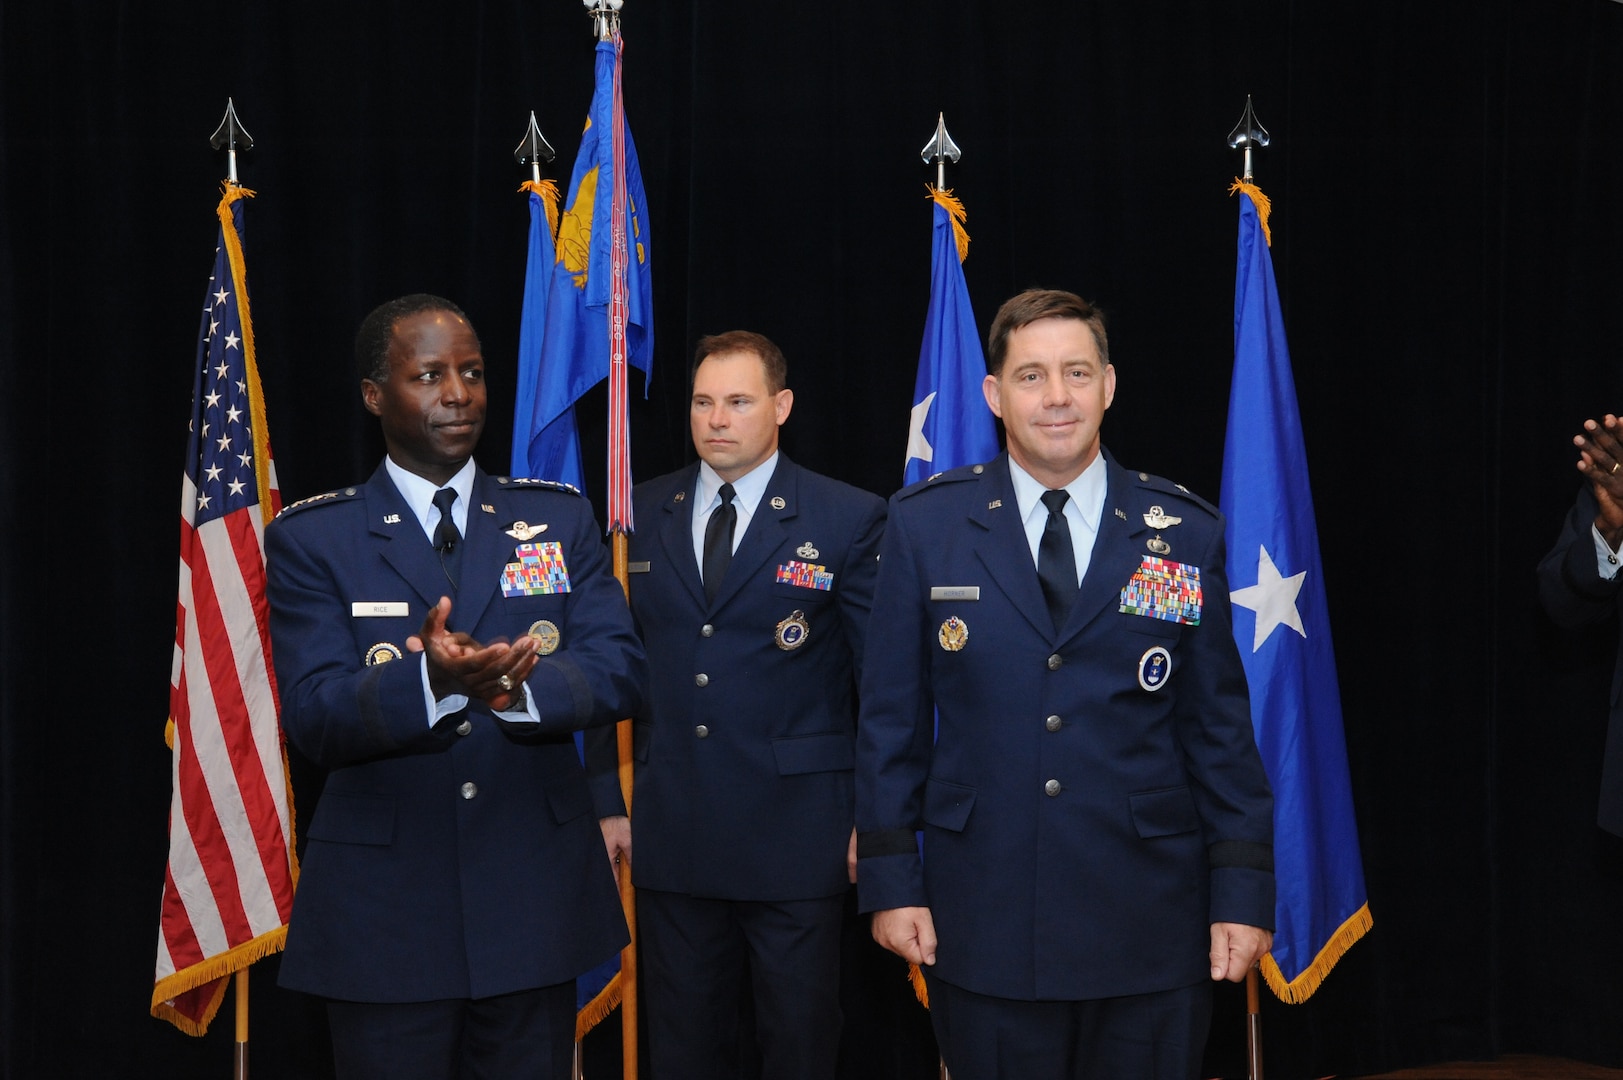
1282 627
575 348
951 425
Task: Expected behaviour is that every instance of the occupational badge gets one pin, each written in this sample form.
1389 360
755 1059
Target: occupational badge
382 653
546 636
1158 545
806 551
1158 519
1154 667
523 530
954 634
792 632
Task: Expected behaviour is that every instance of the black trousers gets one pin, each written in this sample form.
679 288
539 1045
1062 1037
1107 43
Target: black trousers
1159 1036
695 954
530 1034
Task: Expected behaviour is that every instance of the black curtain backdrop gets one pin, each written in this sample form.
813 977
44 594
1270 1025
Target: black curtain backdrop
1446 236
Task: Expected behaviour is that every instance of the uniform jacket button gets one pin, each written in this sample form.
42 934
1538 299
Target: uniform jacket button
701 679
1052 788
1052 723
1055 662
701 731
464 727
470 789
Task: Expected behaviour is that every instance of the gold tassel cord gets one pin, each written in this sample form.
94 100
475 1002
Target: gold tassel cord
549 199
920 991
1299 989
1260 201
954 207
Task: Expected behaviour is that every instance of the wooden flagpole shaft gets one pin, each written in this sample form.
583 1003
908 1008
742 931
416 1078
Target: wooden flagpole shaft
628 896
1253 1028
239 1056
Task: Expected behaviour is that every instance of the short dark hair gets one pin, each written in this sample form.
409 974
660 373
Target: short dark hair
1033 304
772 359
377 331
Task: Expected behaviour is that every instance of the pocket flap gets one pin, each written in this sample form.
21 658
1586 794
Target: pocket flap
947 805
1164 813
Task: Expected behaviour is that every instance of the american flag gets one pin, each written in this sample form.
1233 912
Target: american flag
228 888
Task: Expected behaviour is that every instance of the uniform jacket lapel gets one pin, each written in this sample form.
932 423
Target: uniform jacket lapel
676 534
1117 551
1003 549
487 550
402 542
768 528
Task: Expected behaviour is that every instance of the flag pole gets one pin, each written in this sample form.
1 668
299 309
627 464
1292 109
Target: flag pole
605 16
231 136
938 151
1247 135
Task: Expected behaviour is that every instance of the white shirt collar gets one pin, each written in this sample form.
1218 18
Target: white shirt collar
1087 492
419 491
747 489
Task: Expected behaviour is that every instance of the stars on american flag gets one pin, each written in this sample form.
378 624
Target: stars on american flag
223 446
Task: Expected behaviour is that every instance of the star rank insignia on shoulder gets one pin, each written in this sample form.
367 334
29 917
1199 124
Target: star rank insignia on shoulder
532 482
317 500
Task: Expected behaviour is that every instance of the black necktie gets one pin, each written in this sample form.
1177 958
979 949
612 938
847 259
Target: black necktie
718 543
1056 561
446 538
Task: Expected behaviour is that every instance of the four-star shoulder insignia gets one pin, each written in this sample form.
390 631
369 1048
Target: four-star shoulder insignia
314 500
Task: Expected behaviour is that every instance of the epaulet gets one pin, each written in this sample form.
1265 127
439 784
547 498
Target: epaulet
942 479
1177 491
326 498
532 483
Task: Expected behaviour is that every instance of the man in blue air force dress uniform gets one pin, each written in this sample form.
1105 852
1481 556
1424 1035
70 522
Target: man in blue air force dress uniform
751 581
455 879
1579 583
1098 828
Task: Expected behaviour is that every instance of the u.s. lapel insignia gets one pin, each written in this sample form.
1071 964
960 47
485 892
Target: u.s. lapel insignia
391 519
523 530
1121 513
994 504
1154 667
382 653
546 635
806 551
778 503
954 634
679 496
1158 545
1158 519
793 632
487 508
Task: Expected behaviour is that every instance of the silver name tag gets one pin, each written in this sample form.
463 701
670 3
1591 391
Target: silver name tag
379 609
955 592
639 567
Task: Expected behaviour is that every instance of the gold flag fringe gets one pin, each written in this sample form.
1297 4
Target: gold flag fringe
1302 987
549 199
597 1010
1260 201
920 991
215 969
954 207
